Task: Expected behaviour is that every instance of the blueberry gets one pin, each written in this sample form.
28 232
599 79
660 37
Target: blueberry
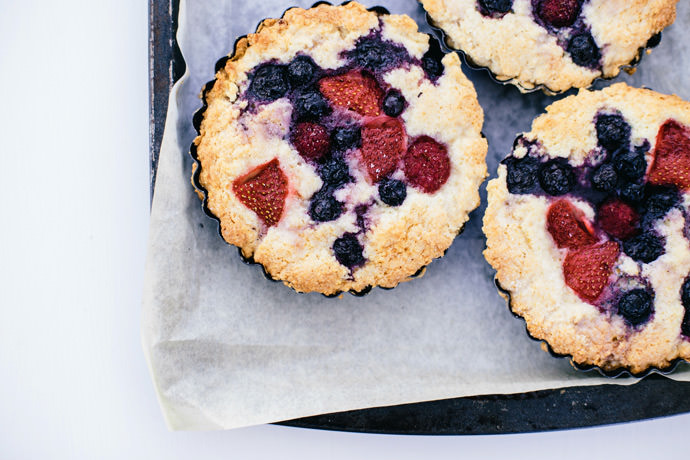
632 193
604 178
431 61
324 207
301 71
374 54
311 105
496 6
335 172
630 164
346 138
645 247
659 201
392 192
269 83
613 132
635 306
583 50
348 251
556 177
393 103
522 174
685 299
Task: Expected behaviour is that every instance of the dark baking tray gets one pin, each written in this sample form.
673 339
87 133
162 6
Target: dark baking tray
654 396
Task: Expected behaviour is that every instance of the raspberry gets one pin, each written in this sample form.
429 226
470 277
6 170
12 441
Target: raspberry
311 140
427 165
559 13
618 219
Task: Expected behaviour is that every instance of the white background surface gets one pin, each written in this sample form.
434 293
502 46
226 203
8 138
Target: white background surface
74 188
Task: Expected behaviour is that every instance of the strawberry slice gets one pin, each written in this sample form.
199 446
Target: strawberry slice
671 164
618 219
427 165
587 270
383 144
567 226
263 190
354 91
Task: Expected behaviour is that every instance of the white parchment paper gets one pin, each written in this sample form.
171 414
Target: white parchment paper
227 348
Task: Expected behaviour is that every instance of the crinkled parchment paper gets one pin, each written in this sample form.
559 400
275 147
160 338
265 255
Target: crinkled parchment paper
227 348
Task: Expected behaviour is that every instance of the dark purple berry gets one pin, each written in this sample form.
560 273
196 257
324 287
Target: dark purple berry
630 164
559 13
269 83
659 201
685 299
348 251
632 193
613 132
392 192
370 54
311 106
301 71
375 54
346 138
431 61
496 6
335 172
522 174
645 247
324 207
556 177
604 178
635 306
583 50
393 103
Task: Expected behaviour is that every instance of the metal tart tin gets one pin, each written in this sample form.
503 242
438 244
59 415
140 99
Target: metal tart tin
620 372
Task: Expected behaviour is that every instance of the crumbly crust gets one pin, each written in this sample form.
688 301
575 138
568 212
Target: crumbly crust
529 265
518 50
399 241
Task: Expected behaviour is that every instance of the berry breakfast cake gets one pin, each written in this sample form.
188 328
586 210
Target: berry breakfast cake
555 44
588 228
340 148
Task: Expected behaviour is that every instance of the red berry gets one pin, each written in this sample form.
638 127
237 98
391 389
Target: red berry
618 219
311 140
567 226
263 190
354 91
383 144
587 270
671 165
559 13
427 165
